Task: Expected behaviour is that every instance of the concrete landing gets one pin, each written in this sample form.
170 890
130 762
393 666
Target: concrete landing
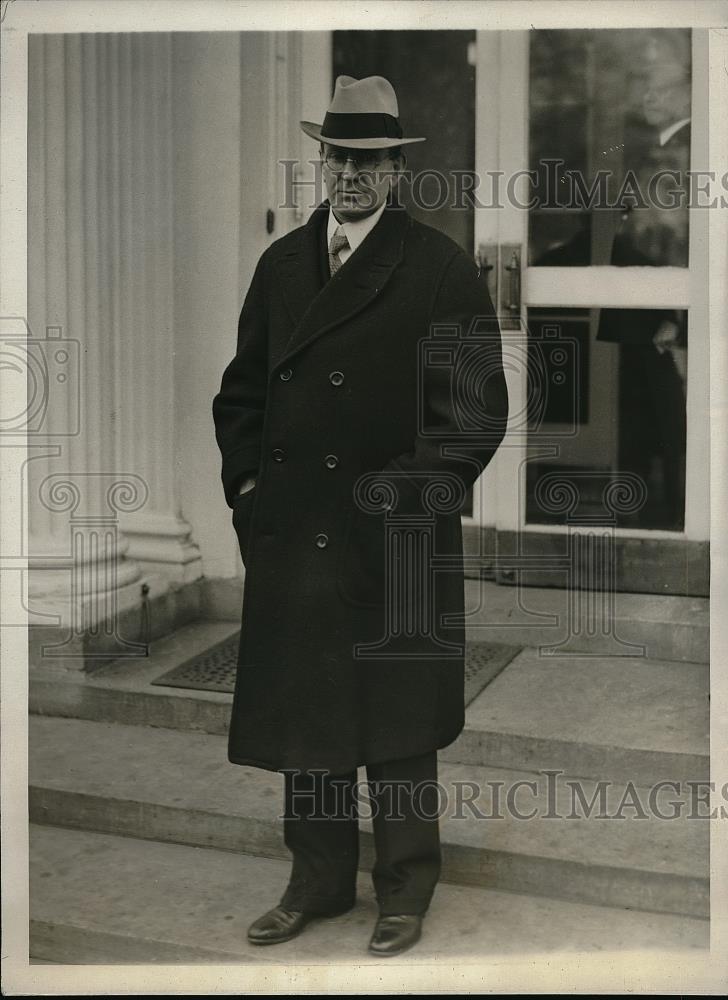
656 626
106 899
174 786
122 691
604 718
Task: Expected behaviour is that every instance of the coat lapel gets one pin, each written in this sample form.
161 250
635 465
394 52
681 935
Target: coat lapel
315 309
299 271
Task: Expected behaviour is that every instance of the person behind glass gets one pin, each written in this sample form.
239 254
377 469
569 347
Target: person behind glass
653 353
327 386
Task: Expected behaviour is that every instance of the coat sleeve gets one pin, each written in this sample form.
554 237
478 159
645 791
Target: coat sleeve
238 408
462 390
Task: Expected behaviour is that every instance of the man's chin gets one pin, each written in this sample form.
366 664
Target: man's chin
355 206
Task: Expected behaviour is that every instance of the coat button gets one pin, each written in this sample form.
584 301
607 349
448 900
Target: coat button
278 455
286 374
331 461
336 378
322 540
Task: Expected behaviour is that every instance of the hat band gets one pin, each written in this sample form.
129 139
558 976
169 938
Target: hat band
360 125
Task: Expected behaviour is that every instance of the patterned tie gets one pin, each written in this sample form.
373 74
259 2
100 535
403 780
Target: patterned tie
338 242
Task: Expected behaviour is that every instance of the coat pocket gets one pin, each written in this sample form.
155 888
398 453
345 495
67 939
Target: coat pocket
242 518
361 573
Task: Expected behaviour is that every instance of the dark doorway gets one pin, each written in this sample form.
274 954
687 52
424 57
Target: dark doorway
433 73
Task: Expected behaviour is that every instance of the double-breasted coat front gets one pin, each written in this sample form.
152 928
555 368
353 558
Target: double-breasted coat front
366 404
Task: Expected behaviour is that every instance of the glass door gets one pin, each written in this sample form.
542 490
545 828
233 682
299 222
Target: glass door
584 140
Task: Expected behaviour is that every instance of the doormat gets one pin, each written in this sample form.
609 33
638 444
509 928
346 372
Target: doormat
214 669
483 662
211 670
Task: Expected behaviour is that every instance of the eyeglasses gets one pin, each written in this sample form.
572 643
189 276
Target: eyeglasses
336 160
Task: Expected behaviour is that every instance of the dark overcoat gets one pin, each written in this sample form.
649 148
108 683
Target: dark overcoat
366 404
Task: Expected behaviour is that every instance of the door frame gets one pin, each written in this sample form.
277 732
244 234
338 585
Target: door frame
651 560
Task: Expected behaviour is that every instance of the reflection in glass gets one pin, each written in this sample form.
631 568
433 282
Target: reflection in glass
607 412
615 102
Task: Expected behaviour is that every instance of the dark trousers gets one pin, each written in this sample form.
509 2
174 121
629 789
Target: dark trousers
321 830
653 422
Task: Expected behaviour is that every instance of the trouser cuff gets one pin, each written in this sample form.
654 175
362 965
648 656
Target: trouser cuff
323 905
395 906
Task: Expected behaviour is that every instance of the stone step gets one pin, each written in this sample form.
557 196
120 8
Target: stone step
96 898
497 831
618 719
122 691
656 626
624 720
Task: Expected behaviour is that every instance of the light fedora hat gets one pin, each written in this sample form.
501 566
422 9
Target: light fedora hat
363 114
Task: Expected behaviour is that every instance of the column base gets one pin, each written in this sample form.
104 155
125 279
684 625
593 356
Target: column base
85 585
78 644
163 545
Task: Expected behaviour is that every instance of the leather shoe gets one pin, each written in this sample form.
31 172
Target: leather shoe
394 934
278 925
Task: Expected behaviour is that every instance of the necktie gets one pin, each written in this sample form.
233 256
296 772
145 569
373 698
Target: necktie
338 242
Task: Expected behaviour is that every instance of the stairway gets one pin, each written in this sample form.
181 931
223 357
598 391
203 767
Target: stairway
147 845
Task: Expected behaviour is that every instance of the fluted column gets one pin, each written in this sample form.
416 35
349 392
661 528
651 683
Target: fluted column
100 299
137 91
77 556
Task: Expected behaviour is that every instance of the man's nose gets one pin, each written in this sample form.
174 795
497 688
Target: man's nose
350 168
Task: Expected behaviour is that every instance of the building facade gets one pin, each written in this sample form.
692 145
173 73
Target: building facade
161 165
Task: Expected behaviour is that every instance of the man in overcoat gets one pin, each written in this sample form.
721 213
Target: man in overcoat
365 397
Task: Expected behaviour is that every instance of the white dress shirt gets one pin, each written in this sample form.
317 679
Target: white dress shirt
356 232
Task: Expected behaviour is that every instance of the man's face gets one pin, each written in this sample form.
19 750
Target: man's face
358 181
666 98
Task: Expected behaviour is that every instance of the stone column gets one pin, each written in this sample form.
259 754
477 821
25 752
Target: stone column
103 514
136 89
79 569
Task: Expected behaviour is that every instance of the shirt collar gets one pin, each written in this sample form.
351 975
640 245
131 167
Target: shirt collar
669 132
356 232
